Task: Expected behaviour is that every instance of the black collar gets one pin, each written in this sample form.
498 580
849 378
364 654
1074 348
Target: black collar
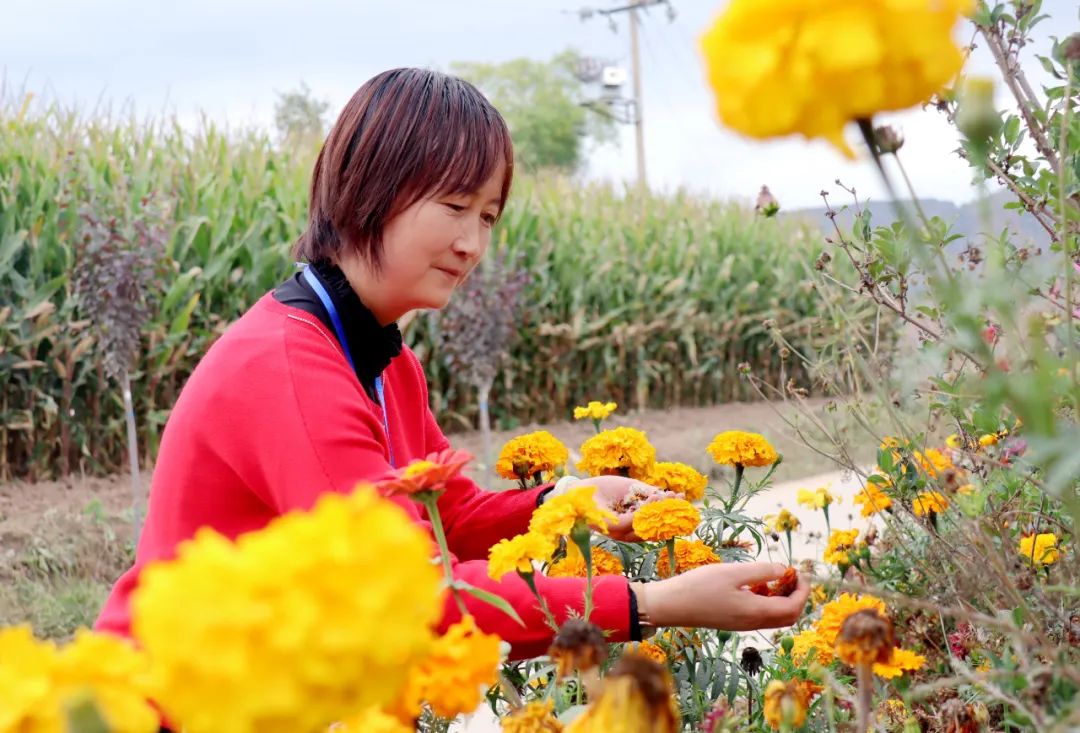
372 345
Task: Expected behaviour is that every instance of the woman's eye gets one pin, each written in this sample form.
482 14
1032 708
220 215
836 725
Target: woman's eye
454 207
488 219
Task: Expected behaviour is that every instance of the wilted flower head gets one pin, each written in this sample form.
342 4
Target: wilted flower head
866 637
578 645
786 702
636 697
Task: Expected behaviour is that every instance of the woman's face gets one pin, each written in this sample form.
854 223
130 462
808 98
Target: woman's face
428 250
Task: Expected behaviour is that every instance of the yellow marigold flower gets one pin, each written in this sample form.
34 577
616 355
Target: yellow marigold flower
809 647
735 447
636 697
517 554
902 660
689 554
529 454
556 517
929 502
785 521
819 594
573 565
680 478
653 651
237 630
38 681
621 451
1041 549
955 442
836 611
873 500
988 440
780 68
841 542
818 498
535 717
462 666
372 720
594 411
786 702
932 461
666 519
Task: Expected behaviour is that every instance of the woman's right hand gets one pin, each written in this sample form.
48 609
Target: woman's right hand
716 597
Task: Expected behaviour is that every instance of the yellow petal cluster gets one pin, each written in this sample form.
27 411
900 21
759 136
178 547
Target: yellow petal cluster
818 498
902 660
841 542
653 651
620 451
38 681
529 454
735 447
573 565
1041 549
783 67
932 461
594 410
293 626
639 701
929 502
535 717
689 554
558 515
873 499
518 553
785 521
680 478
462 666
666 519
372 720
787 702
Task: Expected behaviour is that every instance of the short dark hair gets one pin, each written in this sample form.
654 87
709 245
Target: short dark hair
405 134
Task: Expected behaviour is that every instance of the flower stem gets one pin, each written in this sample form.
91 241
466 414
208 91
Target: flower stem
580 534
671 555
790 554
530 580
738 482
430 502
865 677
828 526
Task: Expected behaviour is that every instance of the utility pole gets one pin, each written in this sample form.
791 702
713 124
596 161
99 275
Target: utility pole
639 129
636 107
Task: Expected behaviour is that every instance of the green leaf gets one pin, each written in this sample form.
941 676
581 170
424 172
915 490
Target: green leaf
489 598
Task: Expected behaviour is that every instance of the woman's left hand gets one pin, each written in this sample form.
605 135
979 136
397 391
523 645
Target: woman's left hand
621 496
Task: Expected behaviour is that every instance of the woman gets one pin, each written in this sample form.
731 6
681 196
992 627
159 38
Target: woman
312 390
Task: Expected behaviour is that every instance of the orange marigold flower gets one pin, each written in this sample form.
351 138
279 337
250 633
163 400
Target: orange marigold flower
527 455
621 451
573 565
786 702
666 519
836 611
866 637
873 500
429 474
689 554
841 543
901 660
680 478
783 586
929 502
653 651
536 717
736 447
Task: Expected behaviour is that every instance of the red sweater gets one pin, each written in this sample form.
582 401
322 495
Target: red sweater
273 416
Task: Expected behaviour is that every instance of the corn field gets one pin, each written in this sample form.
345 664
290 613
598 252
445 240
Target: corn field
648 300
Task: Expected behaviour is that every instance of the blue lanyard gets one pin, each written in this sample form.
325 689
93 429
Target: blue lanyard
312 280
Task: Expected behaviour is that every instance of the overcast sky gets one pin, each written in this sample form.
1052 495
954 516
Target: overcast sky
230 58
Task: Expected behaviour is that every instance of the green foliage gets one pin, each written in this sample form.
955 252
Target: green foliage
652 300
299 117
540 101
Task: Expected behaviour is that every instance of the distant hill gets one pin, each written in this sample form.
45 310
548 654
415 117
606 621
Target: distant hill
964 218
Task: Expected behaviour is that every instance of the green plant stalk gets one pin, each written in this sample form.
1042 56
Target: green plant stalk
828 525
865 679
530 580
671 555
580 534
790 552
430 500
739 469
